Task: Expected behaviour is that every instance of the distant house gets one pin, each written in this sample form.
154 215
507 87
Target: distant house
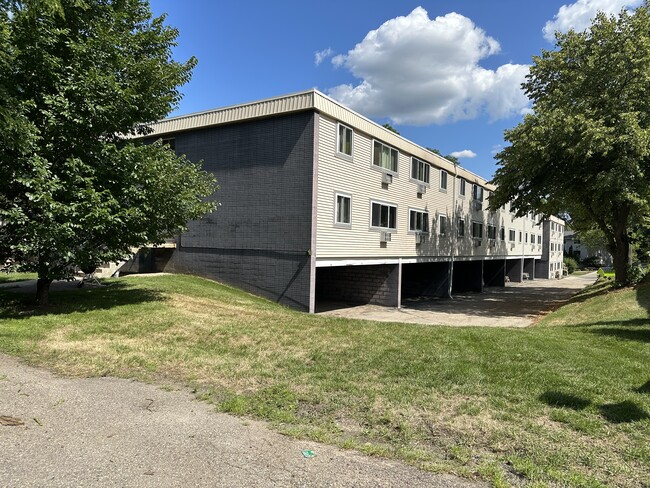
319 204
575 248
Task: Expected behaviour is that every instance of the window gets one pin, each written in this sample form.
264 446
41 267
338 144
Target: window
461 228
511 235
385 156
343 209
171 142
539 239
345 140
532 238
503 233
491 232
520 236
383 216
477 193
443 179
526 238
419 170
477 230
461 187
418 221
442 227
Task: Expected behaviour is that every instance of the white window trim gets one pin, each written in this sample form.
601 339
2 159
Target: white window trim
415 231
415 180
440 187
447 226
338 142
336 204
482 229
384 229
458 221
460 185
514 232
381 168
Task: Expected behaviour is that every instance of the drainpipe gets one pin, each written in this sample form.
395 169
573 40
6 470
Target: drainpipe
454 240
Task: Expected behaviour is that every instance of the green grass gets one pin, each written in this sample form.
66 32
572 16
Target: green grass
12 277
566 402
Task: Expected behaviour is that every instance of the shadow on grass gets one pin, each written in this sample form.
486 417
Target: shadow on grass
639 335
21 306
560 399
601 287
643 294
645 388
623 412
616 413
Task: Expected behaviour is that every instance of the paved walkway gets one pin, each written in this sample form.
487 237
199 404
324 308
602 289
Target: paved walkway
118 433
515 305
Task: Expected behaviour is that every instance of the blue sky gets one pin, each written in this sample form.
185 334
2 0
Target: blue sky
445 74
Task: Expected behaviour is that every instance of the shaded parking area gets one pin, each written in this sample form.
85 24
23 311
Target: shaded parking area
515 305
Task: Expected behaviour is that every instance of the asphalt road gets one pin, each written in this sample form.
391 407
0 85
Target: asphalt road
112 432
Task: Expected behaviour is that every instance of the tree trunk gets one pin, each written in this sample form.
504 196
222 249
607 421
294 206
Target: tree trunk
43 291
621 253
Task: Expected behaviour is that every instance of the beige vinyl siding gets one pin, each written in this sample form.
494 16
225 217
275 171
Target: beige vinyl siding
360 179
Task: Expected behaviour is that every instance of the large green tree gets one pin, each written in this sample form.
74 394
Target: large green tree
585 148
78 80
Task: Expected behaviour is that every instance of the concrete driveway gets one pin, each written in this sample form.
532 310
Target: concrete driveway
515 305
108 432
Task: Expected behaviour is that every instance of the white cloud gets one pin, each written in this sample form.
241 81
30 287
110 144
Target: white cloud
416 70
320 56
578 15
465 153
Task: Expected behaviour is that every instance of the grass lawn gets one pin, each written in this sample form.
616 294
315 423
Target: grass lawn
11 277
564 403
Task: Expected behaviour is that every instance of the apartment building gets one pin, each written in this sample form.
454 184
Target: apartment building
320 204
550 265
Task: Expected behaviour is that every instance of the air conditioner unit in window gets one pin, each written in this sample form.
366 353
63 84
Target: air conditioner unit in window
512 246
478 205
477 243
492 243
420 238
422 189
384 237
386 178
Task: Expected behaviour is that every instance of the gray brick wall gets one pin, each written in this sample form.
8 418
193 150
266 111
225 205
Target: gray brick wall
359 284
260 236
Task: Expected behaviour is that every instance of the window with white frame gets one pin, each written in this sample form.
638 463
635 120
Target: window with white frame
477 230
383 216
539 239
442 225
420 170
512 235
343 215
345 140
526 237
461 227
384 156
520 236
491 232
477 193
503 233
418 221
443 179
461 187
532 238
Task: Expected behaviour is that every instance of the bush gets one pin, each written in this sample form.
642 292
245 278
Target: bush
592 262
636 273
571 264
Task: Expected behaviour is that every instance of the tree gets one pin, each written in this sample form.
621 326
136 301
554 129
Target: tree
448 157
78 81
390 128
585 148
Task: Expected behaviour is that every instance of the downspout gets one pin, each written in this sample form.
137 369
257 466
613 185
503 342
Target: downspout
454 239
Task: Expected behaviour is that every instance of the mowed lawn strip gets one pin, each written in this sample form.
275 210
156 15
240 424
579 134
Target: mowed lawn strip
566 401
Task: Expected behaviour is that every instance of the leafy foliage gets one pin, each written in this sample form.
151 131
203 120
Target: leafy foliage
585 149
79 79
571 264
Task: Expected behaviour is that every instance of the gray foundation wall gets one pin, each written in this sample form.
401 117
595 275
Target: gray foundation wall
259 238
359 284
425 280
